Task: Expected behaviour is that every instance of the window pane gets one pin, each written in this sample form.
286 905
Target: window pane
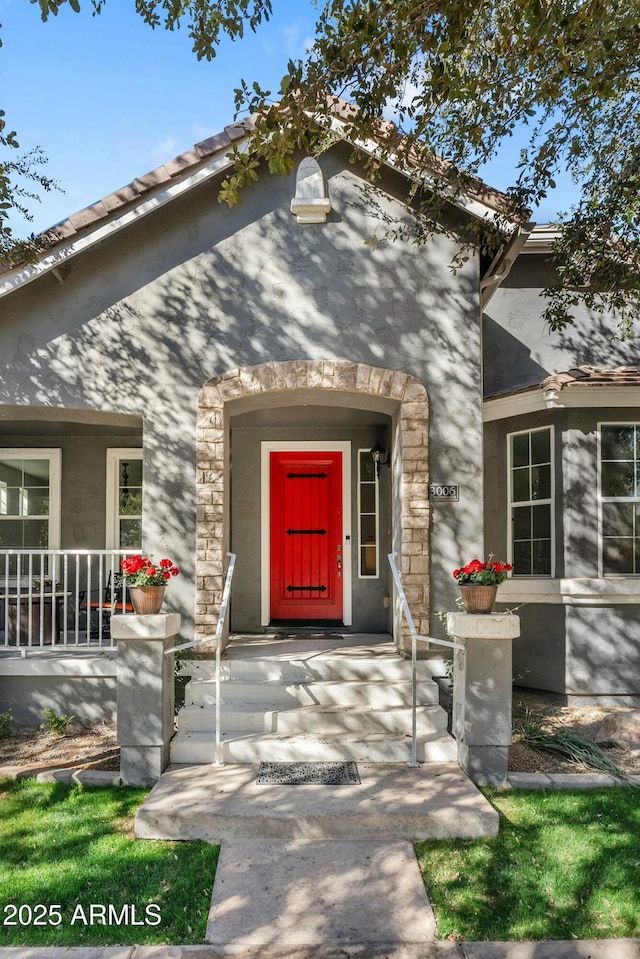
368 498
618 479
522 559
617 555
368 556
36 502
522 523
541 522
11 472
520 450
130 534
130 502
12 502
131 473
541 446
541 482
367 470
520 486
11 534
541 558
617 442
617 519
367 529
36 472
35 533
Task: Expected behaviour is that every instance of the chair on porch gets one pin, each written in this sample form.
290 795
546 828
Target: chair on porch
114 599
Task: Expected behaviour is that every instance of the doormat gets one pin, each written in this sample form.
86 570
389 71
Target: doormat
303 774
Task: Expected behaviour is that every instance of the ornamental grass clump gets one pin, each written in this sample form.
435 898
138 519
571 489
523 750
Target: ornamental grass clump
141 571
477 573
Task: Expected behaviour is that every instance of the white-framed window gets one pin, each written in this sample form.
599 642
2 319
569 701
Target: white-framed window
619 488
368 517
531 502
30 498
124 498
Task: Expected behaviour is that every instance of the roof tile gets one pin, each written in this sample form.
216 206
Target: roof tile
593 376
153 178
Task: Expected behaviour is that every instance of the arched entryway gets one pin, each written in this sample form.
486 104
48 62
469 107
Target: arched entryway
337 383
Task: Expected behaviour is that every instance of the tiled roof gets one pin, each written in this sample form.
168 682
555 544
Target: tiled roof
593 376
185 163
144 184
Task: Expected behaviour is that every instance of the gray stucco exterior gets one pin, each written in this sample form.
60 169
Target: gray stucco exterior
580 631
198 333
149 315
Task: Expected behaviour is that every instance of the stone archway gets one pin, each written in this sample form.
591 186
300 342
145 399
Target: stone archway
410 468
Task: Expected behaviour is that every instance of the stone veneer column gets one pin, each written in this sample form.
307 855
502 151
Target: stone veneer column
411 467
482 693
146 693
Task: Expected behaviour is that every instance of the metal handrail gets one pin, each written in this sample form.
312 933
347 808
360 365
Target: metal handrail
217 636
414 638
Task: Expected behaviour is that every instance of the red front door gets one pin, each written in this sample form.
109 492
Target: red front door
306 535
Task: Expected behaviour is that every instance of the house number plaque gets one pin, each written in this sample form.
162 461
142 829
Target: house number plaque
444 493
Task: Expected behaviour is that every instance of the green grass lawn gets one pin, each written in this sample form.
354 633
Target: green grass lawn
71 872
565 865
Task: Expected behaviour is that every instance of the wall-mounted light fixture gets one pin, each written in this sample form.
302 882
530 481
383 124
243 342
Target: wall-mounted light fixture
380 457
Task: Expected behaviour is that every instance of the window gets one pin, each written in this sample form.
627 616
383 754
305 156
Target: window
124 499
531 502
367 516
30 498
620 497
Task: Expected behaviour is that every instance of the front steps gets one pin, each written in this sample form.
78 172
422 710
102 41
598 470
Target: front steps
317 699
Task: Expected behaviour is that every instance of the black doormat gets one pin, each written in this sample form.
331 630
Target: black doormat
303 774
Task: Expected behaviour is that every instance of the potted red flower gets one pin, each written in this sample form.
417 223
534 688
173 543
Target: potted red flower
479 583
146 581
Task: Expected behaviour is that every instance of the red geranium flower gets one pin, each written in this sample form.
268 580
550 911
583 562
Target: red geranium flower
139 570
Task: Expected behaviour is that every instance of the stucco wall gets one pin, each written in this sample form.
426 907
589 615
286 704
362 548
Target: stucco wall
144 320
518 347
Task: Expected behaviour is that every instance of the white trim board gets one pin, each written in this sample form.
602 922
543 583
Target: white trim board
269 446
573 397
608 591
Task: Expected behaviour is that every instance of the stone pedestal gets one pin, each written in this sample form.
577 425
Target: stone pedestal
482 693
146 693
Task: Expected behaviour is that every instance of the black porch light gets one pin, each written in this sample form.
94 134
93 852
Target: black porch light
380 457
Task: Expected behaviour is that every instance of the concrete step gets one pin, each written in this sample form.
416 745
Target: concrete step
317 720
361 664
392 802
239 746
280 695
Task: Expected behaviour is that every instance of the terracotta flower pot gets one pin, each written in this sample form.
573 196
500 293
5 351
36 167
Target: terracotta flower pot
146 599
478 599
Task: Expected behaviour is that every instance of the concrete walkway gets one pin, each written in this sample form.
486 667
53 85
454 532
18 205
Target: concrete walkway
322 872
587 949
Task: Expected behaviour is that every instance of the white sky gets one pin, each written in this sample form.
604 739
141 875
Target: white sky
108 99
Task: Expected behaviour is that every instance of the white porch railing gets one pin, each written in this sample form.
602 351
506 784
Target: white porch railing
415 637
56 598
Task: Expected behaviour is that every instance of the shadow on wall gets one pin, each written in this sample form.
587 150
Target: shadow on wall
143 322
508 363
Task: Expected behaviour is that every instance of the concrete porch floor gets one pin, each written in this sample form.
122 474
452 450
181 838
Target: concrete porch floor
392 802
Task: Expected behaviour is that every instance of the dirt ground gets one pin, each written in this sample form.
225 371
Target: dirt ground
95 747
